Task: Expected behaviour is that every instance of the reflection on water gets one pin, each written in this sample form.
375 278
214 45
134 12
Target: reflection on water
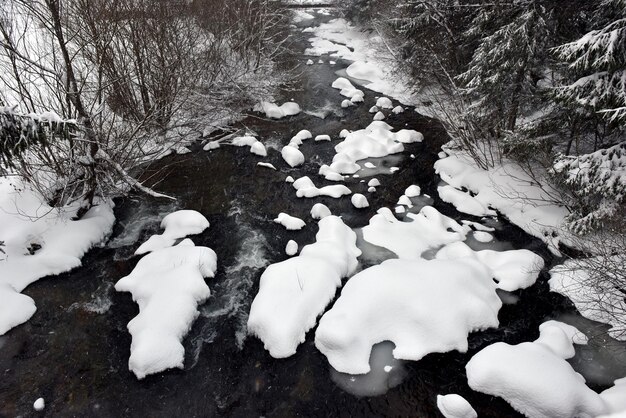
386 372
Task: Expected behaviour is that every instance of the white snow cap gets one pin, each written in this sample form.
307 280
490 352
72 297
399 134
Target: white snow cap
413 191
421 306
289 179
400 209
292 156
168 285
266 165
344 133
306 188
291 248
428 229
373 109
464 202
309 62
398 109
294 292
379 116
455 406
273 111
369 165
513 269
384 103
373 183
347 89
211 145
534 377
346 103
359 201
319 211
371 189
258 148
243 141
322 138
482 236
291 223
39 404
302 135
177 225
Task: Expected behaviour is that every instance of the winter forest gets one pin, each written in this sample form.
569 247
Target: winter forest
281 208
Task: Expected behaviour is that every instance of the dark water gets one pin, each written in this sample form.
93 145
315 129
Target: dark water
74 351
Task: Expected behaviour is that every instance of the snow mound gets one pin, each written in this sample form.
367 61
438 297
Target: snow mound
408 136
168 285
346 103
421 306
319 211
373 183
397 110
211 145
302 135
243 141
413 191
291 248
534 378
294 292
322 138
292 156
384 103
513 269
291 223
346 89
309 62
464 202
177 225
379 116
273 111
373 109
428 229
289 179
305 188
371 189
27 222
344 133
455 406
359 201
482 236
39 404
258 148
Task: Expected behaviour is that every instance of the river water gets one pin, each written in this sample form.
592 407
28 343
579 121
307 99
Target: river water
74 351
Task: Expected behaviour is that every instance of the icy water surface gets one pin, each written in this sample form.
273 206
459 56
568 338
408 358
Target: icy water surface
74 351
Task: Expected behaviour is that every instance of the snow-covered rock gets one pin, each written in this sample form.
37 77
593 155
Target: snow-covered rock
482 236
464 202
373 183
309 62
347 89
408 136
26 220
371 189
211 145
398 109
243 141
344 133
427 229
168 285
379 116
384 103
346 103
291 223
319 211
266 165
289 179
359 201
369 165
294 292
404 200
303 135
273 111
305 188
513 269
291 248
177 225
534 378
322 138
455 406
39 404
258 148
413 191
292 156
421 306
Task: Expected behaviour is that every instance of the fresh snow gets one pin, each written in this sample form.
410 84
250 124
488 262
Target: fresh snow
258 148
273 111
292 156
482 236
427 229
373 183
413 191
291 248
322 138
359 201
168 285
266 165
384 103
348 90
422 306
39 404
513 269
177 225
455 406
397 110
379 116
464 202
305 188
319 211
373 109
534 377
289 179
26 221
291 223
294 292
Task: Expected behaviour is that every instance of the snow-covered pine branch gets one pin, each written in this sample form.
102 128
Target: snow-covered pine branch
598 59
